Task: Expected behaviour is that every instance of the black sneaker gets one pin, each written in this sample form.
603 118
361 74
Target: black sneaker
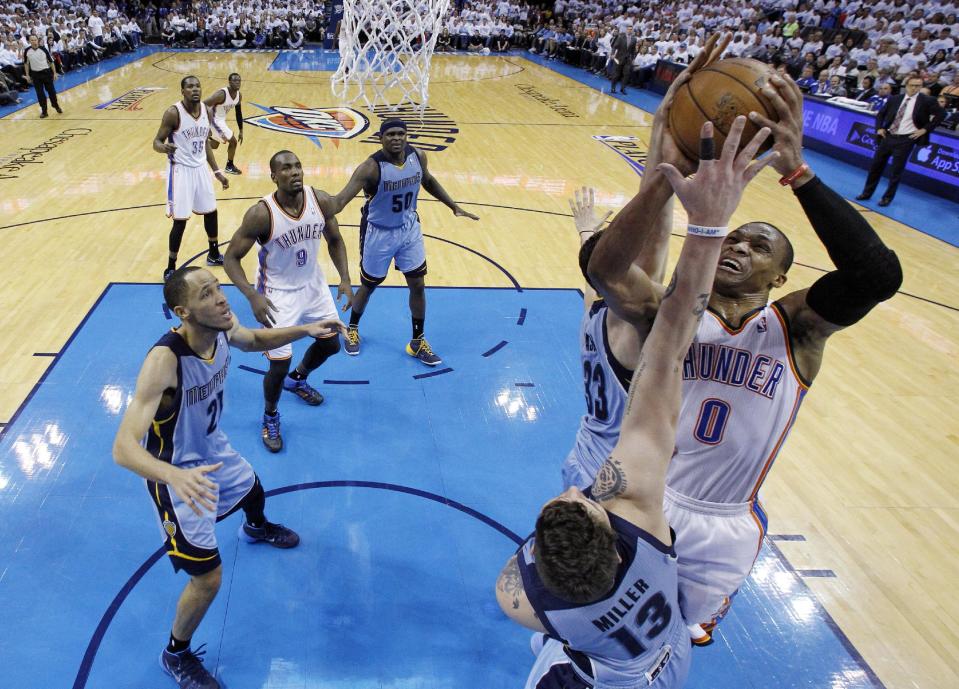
57 108
167 273
187 669
271 432
232 169
304 391
43 115
276 535
214 260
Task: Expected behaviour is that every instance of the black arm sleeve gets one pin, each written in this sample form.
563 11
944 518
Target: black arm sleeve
867 271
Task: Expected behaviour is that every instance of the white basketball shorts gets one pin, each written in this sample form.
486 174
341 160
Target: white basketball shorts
308 304
189 190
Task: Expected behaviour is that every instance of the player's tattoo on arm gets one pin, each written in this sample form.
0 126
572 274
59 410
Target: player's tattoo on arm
700 308
610 481
672 285
511 582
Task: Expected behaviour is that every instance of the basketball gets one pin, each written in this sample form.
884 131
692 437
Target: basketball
719 93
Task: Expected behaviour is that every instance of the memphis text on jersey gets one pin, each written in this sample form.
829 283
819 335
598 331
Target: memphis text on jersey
731 366
198 393
300 233
396 184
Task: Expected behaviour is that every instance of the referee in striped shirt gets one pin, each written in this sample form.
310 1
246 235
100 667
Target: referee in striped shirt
40 70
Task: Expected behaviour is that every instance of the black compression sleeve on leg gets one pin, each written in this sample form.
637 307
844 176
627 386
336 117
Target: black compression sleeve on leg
176 235
868 271
210 225
254 504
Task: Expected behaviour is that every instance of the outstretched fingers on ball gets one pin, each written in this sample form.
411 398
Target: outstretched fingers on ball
707 144
733 138
744 161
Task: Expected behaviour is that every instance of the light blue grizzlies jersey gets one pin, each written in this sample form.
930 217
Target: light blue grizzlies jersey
606 383
188 431
633 636
392 204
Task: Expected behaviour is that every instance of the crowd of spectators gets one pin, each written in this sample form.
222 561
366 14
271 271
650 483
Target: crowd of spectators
832 48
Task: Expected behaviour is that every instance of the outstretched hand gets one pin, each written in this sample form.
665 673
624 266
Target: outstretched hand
583 205
325 328
195 488
460 213
712 195
787 100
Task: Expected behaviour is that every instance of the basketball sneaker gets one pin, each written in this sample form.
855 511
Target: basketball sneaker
271 432
304 391
420 349
352 340
187 669
216 260
276 535
698 635
232 169
167 273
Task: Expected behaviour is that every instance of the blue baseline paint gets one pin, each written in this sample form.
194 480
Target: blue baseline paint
522 314
821 573
251 369
431 374
346 382
786 537
526 385
91 653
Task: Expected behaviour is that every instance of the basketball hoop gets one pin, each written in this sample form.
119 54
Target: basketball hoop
385 51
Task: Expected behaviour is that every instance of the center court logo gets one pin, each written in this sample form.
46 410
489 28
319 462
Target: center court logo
330 123
628 147
130 100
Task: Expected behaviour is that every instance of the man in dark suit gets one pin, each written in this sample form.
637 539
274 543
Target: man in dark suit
624 48
904 121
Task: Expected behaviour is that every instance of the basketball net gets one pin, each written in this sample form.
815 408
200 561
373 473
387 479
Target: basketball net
385 51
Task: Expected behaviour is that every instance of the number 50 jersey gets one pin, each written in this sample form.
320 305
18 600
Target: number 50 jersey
606 384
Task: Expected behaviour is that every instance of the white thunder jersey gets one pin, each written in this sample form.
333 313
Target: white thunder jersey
190 137
229 102
288 259
741 394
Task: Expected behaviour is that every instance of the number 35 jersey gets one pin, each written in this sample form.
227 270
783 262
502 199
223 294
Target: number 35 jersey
288 259
606 384
189 431
633 636
741 395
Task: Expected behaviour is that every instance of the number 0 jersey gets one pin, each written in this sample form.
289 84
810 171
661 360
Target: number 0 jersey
392 204
190 137
288 259
635 632
191 433
607 386
741 394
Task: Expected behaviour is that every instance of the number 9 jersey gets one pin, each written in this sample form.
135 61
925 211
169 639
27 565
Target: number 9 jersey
606 383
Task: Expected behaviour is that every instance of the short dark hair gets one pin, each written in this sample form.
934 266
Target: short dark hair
276 155
575 555
176 290
585 252
788 252
186 79
233 74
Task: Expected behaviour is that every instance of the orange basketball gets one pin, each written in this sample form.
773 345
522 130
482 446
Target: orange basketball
719 93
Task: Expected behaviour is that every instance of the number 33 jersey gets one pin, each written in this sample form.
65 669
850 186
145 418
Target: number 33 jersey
188 430
606 384
288 259
741 394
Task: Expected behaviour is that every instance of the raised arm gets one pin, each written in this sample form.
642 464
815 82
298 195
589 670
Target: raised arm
159 375
210 158
170 121
255 226
867 271
363 176
432 185
337 248
634 476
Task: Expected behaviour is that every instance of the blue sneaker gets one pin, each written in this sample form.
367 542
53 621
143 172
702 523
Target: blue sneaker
420 349
276 535
304 391
271 432
187 669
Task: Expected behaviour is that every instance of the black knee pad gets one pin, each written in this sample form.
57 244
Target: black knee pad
369 281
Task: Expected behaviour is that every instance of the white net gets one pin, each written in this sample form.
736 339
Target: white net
385 50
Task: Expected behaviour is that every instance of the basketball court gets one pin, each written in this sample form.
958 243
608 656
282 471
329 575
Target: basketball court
410 487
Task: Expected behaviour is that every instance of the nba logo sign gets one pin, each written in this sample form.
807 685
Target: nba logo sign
332 123
761 326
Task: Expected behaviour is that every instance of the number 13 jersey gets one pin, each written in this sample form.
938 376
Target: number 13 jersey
288 259
741 394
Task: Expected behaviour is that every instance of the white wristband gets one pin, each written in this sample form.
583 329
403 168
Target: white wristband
217 172
704 231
